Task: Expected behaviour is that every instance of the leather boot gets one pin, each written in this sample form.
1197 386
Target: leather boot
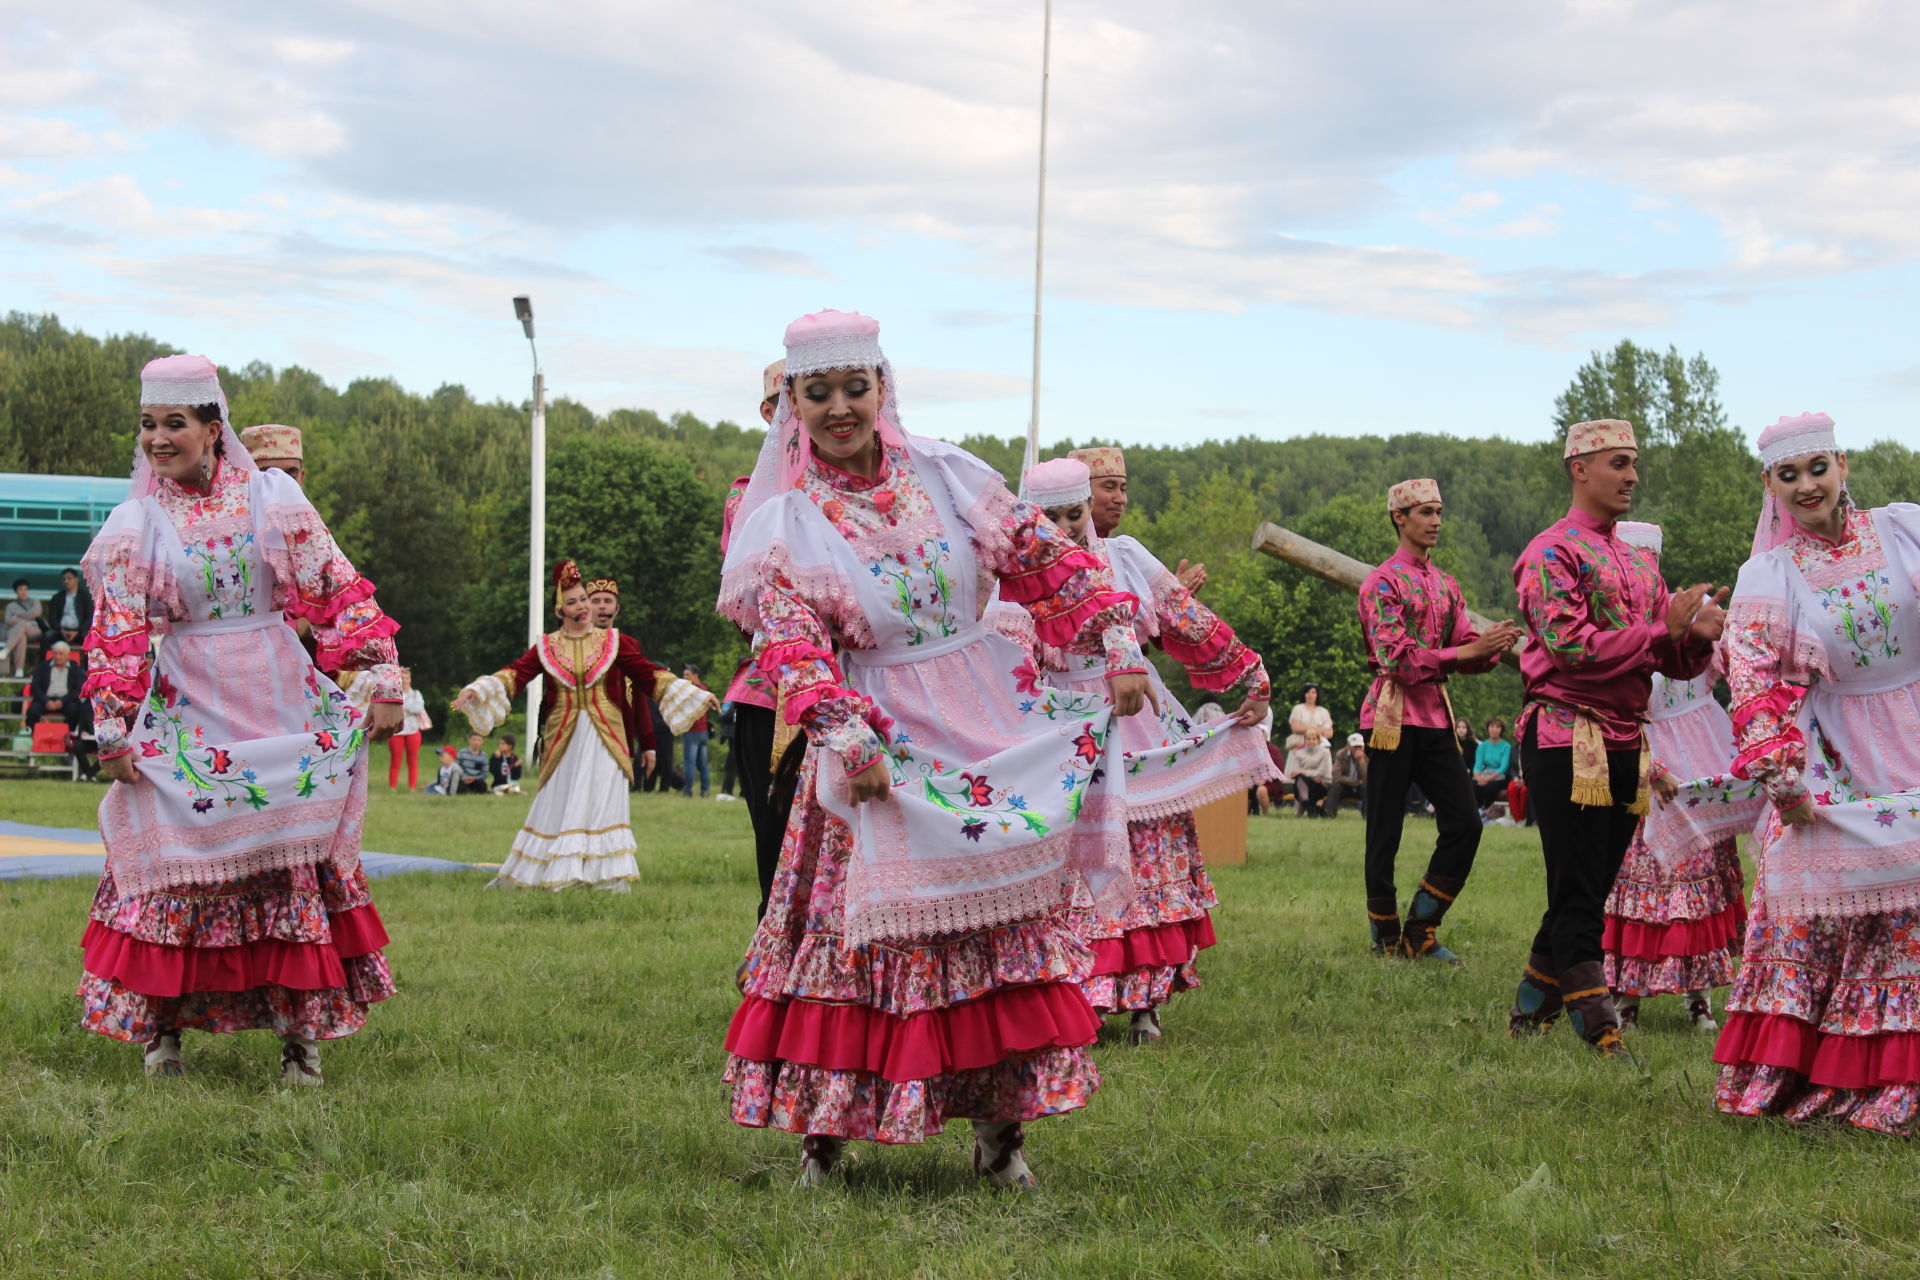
1383 925
1589 1002
1424 913
1536 1004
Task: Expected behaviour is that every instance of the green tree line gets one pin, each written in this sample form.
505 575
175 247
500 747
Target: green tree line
428 495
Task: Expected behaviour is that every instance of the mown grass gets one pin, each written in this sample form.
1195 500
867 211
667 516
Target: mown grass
542 1099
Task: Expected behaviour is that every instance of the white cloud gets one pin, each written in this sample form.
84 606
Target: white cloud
767 260
1215 157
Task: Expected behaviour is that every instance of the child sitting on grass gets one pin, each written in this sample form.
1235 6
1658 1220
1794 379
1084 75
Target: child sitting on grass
448 780
504 768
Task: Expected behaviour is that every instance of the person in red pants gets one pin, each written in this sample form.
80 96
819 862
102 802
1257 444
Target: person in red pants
407 741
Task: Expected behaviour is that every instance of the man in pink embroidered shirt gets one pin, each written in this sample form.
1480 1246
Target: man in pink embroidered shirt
1602 622
1418 633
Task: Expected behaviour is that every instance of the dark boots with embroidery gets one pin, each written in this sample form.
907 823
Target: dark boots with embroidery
1424 913
1590 1008
1383 925
1537 1004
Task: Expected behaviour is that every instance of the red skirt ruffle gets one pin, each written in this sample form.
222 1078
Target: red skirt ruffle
1840 1062
1158 947
154 969
1643 940
1002 1024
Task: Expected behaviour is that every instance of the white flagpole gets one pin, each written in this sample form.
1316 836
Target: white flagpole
1039 245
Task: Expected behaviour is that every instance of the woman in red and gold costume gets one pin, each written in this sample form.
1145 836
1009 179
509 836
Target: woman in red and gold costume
579 830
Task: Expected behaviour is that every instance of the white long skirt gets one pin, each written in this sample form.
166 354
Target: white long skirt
579 829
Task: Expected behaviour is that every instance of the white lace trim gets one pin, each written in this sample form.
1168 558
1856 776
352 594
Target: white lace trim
1810 440
188 391
834 351
489 706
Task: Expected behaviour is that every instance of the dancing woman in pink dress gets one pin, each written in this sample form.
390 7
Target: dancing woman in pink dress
1823 657
1678 907
1149 953
233 896
914 963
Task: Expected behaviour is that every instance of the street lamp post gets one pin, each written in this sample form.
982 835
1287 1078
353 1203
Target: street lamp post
537 532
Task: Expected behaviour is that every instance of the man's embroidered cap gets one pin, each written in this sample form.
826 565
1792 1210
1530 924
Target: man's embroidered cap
771 378
271 442
832 340
1103 461
1797 437
1059 482
1412 493
190 380
609 585
1638 533
1601 434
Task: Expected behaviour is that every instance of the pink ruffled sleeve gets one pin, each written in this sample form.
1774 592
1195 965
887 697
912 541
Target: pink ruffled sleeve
350 631
129 596
1195 637
1066 588
1768 670
795 656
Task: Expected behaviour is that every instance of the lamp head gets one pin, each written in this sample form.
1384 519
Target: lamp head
523 312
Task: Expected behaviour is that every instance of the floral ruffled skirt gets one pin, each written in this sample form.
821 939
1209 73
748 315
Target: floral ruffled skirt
888 1041
1150 952
297 951
1825 1022
1672 930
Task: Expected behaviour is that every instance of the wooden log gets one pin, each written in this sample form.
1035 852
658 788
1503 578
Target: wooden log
1342 570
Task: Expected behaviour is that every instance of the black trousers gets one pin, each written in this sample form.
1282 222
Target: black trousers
752 746
1583 848
1430 759
730 770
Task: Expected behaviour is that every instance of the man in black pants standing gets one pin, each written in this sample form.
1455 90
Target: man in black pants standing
1602 622
752 700
1417 631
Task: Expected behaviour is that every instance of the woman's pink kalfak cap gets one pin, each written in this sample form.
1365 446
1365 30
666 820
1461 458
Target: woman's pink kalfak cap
1796 437
1059 482
180 380
832 340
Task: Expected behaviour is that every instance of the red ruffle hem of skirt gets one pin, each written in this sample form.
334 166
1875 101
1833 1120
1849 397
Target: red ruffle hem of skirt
1838 1062
154 969
1640 940
960 1037
1157 947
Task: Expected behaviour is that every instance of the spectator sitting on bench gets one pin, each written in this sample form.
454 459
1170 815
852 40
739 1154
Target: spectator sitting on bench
25 620
474 777
1349 775
55 691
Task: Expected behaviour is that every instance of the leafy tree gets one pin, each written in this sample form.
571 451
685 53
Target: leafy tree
1669 398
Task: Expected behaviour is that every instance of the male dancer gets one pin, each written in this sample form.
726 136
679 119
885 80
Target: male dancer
1602 622
276 448
753 700
1417 632
1108 467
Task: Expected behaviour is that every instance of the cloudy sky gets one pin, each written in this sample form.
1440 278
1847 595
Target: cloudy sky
1266 216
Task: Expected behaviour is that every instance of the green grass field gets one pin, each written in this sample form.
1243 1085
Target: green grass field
542 1099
